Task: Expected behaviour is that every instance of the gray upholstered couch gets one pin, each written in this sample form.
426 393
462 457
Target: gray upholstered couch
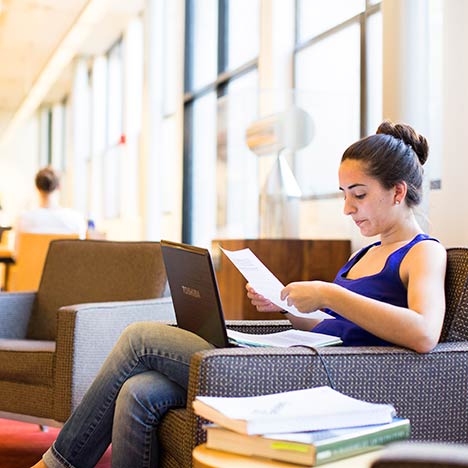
423 455
53 341
429 389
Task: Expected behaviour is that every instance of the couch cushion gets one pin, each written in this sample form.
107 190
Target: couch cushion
82 271
27 361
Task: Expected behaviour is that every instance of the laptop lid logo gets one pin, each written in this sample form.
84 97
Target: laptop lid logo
191 292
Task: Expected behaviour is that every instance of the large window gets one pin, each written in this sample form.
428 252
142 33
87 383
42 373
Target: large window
338 63
222 46
116 116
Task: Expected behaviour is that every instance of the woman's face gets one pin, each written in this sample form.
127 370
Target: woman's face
365 199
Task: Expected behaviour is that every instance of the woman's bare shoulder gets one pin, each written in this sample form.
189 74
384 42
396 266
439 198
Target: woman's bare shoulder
428 252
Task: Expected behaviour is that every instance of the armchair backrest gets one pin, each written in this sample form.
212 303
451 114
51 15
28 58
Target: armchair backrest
86 271
456 295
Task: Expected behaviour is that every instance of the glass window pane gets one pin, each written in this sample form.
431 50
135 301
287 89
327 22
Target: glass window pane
115 93
111 192
237 169
204 43
134 64
328 84
44 136
244 31
171 43
99 105
316 16
204 170
58 136
112 157
374 72
435 89
169 147
81 134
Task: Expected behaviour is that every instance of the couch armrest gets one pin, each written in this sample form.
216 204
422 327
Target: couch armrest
86 334
15 310
429 389
423 455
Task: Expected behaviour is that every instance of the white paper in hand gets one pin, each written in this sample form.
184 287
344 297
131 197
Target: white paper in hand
264 281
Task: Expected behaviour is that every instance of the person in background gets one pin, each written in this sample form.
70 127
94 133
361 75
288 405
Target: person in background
389 292
50 217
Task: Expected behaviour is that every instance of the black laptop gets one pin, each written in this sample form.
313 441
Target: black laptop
194 290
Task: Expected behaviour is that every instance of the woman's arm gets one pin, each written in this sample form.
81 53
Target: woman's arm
264 305
417 327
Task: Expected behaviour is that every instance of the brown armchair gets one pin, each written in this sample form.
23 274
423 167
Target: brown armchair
53 341
429 389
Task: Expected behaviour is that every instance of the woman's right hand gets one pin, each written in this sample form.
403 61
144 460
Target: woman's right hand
261 303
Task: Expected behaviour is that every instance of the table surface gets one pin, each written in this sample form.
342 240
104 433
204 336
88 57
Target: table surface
208 458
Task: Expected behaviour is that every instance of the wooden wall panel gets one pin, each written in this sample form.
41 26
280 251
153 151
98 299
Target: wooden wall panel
288 259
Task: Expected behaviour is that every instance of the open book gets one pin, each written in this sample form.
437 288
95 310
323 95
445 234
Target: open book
300 410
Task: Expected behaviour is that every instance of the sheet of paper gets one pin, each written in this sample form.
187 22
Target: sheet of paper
265 282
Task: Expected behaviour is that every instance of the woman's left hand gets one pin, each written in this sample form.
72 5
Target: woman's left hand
306 296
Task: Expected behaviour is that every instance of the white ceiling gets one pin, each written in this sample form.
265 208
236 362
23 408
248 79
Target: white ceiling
31 31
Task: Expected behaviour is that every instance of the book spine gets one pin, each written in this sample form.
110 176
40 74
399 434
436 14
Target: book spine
364 443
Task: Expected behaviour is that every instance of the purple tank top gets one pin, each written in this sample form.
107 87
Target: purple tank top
385 286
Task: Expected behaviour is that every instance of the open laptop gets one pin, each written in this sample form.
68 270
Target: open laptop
194 290
197 303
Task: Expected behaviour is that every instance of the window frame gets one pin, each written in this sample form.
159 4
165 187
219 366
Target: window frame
219 85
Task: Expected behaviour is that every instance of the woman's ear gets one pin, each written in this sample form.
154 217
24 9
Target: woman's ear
401 190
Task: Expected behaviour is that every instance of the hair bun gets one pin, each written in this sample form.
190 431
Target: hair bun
408 135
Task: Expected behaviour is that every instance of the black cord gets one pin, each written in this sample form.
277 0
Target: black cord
324 365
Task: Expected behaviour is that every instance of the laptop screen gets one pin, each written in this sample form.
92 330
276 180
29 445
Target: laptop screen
194 291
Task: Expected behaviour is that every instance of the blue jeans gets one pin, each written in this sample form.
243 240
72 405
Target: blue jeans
144 376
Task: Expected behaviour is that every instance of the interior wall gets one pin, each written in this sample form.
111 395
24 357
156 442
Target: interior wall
448 212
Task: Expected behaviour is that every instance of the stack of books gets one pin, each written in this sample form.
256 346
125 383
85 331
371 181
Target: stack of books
307 427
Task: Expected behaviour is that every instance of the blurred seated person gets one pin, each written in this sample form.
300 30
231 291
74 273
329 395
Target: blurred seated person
50 217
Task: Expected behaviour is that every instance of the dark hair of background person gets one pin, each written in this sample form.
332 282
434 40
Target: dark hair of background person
47 180
396 153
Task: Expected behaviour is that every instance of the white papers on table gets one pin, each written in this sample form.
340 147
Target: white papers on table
299 410
265 282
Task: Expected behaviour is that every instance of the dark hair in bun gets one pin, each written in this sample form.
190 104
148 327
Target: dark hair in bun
396 153
408 135
47 180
